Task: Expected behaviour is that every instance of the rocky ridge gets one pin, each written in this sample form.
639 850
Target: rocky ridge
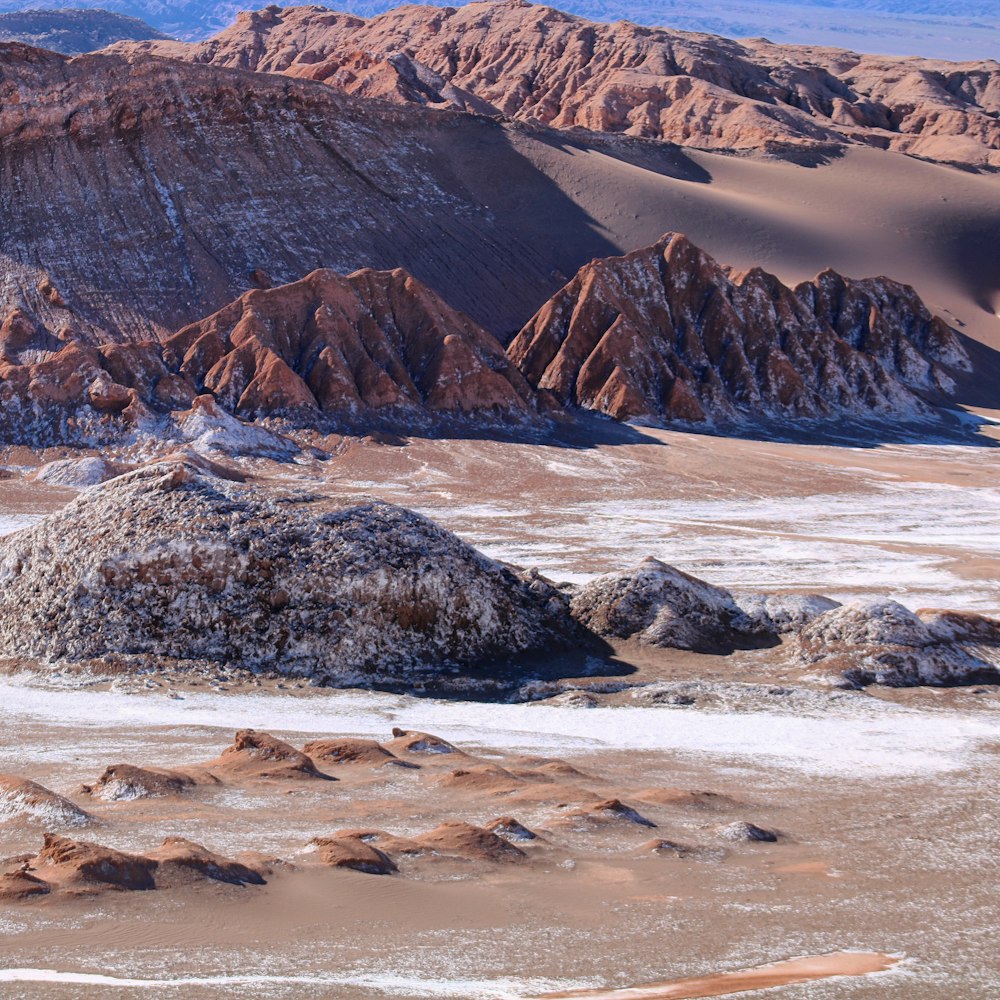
73 31
524 61
667 334
662 334
320 180
372 349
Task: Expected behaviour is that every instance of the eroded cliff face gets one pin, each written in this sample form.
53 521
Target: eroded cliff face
663 334
532 62
167 563
667 334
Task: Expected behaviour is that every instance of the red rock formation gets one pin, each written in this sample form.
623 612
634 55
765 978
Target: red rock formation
354 853
472 842
374 348
371 344
349 751
91 866
523 61
667 334
260 755
124 782
21 799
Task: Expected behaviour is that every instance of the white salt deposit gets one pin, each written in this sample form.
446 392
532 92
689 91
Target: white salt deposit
870 737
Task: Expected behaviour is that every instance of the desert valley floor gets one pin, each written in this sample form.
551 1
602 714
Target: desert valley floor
881 799
496 506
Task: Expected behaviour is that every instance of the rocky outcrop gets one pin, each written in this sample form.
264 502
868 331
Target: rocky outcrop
747 833
88 866
881 642
474 843
510 829
80 867
373 349
182 862
261 755
374 345
667 334
322 180
345 751
21 799
658 605
354 853
125 782
168 564
519 60
607 812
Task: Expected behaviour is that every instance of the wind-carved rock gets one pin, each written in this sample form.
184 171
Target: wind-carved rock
668 334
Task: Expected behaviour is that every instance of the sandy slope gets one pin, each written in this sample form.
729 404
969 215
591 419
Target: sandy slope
865 213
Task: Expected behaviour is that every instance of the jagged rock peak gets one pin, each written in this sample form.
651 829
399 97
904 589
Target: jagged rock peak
168 564
667 334
371 343
528 61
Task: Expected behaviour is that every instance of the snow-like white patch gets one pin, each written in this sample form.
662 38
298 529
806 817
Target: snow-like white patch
386 984
899 540
74 473
15 522
864 737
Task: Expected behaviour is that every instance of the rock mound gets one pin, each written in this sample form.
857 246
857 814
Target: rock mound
183 862
167 563
260 755
609 811
471 842
76 474
783 613
667 334
20 885
882 642
350 751
27 800
77 866
510 829
126 782
354 853
413 742
531 62
373 346
78 863
748 833
661 606
481 779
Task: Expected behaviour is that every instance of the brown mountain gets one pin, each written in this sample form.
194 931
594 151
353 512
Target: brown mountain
523 61
138 196
374 349
375 343
666 333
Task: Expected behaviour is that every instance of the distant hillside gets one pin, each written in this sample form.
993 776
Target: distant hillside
73 31
942 29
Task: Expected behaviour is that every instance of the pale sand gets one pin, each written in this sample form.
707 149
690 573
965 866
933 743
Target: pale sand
765 977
